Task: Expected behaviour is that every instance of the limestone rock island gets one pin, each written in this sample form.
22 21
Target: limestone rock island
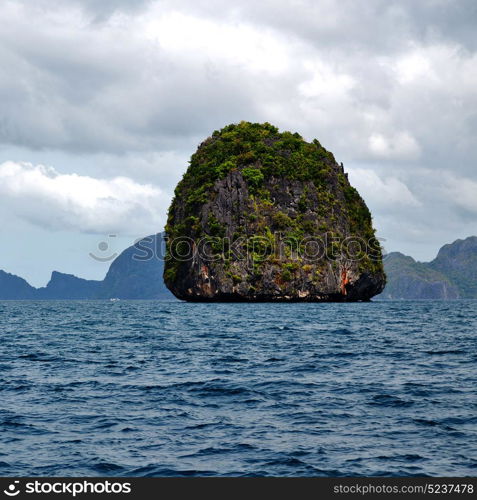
263 215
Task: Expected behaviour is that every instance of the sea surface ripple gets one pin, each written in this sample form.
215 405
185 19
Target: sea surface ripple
174 389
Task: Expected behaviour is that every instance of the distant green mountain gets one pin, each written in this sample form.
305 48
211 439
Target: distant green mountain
135 274
458 262
15 288
451 275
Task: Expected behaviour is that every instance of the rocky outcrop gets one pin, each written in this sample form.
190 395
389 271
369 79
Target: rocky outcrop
265 216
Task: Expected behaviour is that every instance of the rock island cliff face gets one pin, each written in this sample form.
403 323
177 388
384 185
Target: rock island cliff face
266 216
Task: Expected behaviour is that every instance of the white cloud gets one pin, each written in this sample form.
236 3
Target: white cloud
382 193
399 146
461 192
325 82
414 66
237 44
57 201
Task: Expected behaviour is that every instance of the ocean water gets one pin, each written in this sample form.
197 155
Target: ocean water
176 389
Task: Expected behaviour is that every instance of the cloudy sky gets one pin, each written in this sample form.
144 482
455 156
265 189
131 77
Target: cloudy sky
103 102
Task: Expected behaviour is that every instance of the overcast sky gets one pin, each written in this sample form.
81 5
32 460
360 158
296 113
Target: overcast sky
103 102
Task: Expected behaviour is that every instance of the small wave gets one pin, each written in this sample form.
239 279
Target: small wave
215 390
203 425
423 421
464 420
106 467
295 464
304 453
230 359
156 471
105 425
207 452
389 400
410 457
15 388
38 357
341 331
308 367
345 354
290 461
23 428
443 352
275 384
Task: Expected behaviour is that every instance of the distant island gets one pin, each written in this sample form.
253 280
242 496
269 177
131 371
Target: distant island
451 275
135 274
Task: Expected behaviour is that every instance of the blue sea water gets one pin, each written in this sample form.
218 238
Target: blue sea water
176 389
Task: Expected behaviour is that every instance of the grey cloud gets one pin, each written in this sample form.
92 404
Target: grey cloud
56 201
98 11
380 26
105 8
387 86
88 91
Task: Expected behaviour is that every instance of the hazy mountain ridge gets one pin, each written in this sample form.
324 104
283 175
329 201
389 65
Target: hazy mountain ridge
135 274
458 262
15 288
451 275
68 286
